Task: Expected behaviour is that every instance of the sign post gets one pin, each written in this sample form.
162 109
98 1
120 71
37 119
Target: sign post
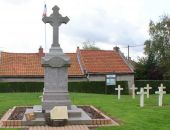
110 80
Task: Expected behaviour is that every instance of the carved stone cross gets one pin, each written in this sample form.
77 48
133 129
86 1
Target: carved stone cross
55 20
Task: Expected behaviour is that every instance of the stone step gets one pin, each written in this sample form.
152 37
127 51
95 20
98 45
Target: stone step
37 108
57 101
53 90
38 111
79 121
55 96
39 115
83 119
56 93
48 104
36 122
73 113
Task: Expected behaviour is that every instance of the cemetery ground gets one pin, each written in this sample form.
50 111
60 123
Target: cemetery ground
125 111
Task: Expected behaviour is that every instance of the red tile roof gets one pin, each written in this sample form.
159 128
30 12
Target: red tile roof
29 64
74 69
89 61
103 61
20 64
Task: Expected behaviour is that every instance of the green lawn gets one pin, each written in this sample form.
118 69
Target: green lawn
127 110
9 129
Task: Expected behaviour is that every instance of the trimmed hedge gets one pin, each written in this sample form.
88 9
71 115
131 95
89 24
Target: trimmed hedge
97 87
21 87
84 87
154 84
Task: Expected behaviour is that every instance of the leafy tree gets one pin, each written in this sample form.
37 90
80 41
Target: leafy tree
148 69
87 45
159 45
140 69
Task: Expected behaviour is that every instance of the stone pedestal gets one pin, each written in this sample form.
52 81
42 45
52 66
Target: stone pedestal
55 93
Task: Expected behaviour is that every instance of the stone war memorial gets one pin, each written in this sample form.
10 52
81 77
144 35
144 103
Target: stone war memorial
56 108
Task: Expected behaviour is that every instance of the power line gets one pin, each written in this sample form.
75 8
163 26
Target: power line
133 46
129 46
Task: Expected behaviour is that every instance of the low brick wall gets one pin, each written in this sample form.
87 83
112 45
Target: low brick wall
16 123
5 119
105 121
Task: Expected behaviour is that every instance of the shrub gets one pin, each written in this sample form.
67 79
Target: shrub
21 86
97 87
84 87
154 84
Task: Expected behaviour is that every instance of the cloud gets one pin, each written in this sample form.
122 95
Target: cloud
107 23
104 28
16 2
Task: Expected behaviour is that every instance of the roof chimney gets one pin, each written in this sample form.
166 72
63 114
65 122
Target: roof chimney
78 49
116 48
40 50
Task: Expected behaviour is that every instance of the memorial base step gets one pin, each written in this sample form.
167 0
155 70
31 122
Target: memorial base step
48 105
56 96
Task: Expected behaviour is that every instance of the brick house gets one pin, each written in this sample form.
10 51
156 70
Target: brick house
86 65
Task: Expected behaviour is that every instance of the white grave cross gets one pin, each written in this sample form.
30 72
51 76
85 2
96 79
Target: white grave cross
119 90
161 93
141 93
133 90
162 87
147 89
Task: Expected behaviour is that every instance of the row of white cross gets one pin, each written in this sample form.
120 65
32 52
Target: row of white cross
161 92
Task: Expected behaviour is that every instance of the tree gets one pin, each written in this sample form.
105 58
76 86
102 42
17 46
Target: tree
87 45
148 69
140 69
159 44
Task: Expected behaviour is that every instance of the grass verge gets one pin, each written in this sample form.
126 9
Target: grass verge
126 110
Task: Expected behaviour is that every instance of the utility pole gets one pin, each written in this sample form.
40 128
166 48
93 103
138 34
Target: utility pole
128 47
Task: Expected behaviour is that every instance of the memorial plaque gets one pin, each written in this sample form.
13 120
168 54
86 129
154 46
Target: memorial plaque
58 113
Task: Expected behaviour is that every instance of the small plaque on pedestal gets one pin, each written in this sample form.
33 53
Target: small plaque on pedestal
59 113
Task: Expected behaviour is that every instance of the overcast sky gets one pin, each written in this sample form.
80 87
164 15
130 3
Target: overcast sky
108 23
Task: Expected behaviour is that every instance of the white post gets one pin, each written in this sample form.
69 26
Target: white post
133 91
147 89
161 93
141 93
119 90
